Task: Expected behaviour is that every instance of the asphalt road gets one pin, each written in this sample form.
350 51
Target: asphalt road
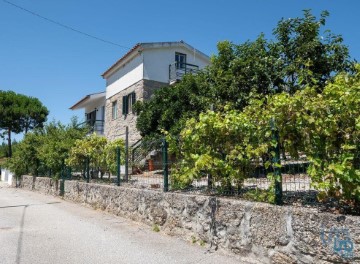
37 229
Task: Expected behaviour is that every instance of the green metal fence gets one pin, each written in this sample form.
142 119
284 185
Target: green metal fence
150 164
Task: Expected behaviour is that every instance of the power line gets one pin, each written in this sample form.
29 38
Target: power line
65 26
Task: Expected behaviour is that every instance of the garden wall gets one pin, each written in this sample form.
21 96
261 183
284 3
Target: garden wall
270 234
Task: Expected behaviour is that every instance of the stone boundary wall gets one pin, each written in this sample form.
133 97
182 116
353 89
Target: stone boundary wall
267 233
42 185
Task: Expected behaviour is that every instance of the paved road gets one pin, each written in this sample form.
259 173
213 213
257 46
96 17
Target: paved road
37 229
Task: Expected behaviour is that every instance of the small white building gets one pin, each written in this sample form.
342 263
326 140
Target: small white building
7 176
135 76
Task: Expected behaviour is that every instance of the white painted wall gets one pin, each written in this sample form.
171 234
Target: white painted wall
11 178
98 104
7 176
3 175
157 61
129 74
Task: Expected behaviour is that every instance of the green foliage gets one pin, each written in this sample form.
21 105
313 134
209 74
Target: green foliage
301 54
100 152
308 55
324 126
91 147
332 137
45 149
169 107
110 154
25 158
20 113
259 195
155 228
223 145
57 140
4 149
240 72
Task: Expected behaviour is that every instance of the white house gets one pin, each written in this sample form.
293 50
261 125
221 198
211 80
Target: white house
135 76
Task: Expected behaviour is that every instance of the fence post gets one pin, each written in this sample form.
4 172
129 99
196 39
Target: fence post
118 165
69 173
126 178
87 169
85 166
209 181
276 164
62 181
165 165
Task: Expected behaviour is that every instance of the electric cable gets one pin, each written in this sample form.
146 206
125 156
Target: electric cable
65 26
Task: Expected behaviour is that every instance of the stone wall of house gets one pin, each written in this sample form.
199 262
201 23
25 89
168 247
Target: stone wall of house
261 232
115 128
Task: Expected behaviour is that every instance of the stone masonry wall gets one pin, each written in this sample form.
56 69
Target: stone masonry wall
258 231
115 128
41 184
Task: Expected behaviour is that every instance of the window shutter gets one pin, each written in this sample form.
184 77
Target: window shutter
125 105
133 98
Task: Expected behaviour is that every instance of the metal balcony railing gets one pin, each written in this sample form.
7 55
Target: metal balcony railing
178 69
96 126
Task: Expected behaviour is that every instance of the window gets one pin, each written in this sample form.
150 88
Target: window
180 60
114 110
128 102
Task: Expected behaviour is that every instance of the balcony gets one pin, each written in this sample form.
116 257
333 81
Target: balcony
95 126
178 69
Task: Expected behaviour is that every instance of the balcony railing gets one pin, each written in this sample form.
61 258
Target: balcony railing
96 126
177 70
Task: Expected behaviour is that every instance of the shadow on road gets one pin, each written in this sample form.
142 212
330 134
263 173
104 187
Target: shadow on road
22 222
20 240
26 205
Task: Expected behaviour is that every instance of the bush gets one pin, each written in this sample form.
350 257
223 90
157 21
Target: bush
324 126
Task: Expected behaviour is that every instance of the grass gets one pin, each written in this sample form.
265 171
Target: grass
193 239
155 228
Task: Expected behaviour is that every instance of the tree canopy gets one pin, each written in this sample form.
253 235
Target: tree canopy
20 113
324 126
45 150
171 106
98 151
301 53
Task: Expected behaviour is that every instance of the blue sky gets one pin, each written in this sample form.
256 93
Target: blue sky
59 66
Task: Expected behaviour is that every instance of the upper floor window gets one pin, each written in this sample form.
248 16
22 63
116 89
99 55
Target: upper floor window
114 110
128 102
180 60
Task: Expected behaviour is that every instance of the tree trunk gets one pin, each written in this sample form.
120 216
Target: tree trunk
9 143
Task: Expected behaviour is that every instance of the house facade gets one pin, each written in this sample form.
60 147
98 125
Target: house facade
134 77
